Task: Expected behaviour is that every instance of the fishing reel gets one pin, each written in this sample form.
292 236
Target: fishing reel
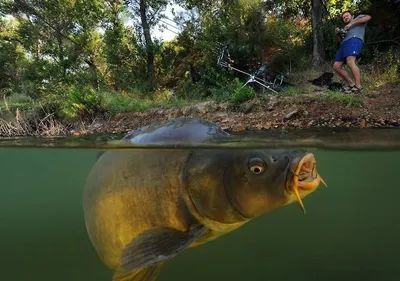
342 32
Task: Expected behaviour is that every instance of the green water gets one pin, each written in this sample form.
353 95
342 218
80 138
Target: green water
351 230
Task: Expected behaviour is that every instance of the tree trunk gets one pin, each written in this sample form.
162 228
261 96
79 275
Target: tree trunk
61 52
318 43
149 43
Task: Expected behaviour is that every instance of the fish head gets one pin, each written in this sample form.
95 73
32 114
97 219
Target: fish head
230 186
258 182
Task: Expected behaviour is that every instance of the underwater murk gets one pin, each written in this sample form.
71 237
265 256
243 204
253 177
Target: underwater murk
64 219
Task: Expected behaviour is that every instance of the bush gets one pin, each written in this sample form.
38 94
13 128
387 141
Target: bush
81 101
241 94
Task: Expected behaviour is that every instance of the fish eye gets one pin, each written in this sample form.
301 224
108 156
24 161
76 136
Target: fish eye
256 165
257 169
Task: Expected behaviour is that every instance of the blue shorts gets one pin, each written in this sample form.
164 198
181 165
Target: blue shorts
350 47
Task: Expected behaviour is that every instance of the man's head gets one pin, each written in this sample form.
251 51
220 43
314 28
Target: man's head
347 17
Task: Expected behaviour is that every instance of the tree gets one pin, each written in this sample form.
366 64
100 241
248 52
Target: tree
60 36
120 48
317 34
11 57
148 11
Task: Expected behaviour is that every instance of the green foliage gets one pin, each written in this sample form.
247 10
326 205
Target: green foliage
241 92
122 57
289 38
346 99
79 58
114 102
12 58
392 60
80 102
384 68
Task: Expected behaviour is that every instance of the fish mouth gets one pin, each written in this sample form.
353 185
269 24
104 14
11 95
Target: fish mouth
305 177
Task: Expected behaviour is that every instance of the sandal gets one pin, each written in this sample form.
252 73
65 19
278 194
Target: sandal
347 88
353 90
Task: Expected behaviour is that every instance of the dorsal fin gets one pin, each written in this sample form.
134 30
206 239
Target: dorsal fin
98 154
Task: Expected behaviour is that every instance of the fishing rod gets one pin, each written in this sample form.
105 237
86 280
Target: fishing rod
342 31
252 78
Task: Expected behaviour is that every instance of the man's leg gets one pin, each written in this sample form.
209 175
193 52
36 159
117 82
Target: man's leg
351 62
337 67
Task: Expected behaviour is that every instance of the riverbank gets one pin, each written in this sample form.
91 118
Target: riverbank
378 108
372 108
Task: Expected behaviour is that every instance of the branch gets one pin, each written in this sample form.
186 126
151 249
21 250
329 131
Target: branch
10 39
153 15
134 2
382 41
37 14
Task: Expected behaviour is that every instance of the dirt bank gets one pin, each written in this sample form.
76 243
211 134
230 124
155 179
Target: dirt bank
379 108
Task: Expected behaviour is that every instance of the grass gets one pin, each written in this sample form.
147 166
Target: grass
373 76
21 115
115 103
52 115
111 102
346 99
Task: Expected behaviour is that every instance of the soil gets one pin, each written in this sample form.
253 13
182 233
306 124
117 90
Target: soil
379 108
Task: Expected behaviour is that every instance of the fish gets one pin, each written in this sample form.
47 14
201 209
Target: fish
142 207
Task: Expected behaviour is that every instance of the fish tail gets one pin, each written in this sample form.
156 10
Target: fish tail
149 273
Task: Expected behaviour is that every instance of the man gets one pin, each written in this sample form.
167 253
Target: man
351 44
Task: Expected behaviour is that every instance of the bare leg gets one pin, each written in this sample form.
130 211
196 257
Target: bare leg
351 62
337 66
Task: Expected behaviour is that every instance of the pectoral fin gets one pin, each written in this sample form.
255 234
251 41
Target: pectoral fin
143 274
155 246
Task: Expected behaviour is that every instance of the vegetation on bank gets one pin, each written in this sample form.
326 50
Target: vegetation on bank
65 60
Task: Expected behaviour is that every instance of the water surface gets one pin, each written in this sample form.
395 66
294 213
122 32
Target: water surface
350 232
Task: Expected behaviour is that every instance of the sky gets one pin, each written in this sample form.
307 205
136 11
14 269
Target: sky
166 34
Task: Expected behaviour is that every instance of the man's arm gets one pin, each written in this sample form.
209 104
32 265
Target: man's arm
361 19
